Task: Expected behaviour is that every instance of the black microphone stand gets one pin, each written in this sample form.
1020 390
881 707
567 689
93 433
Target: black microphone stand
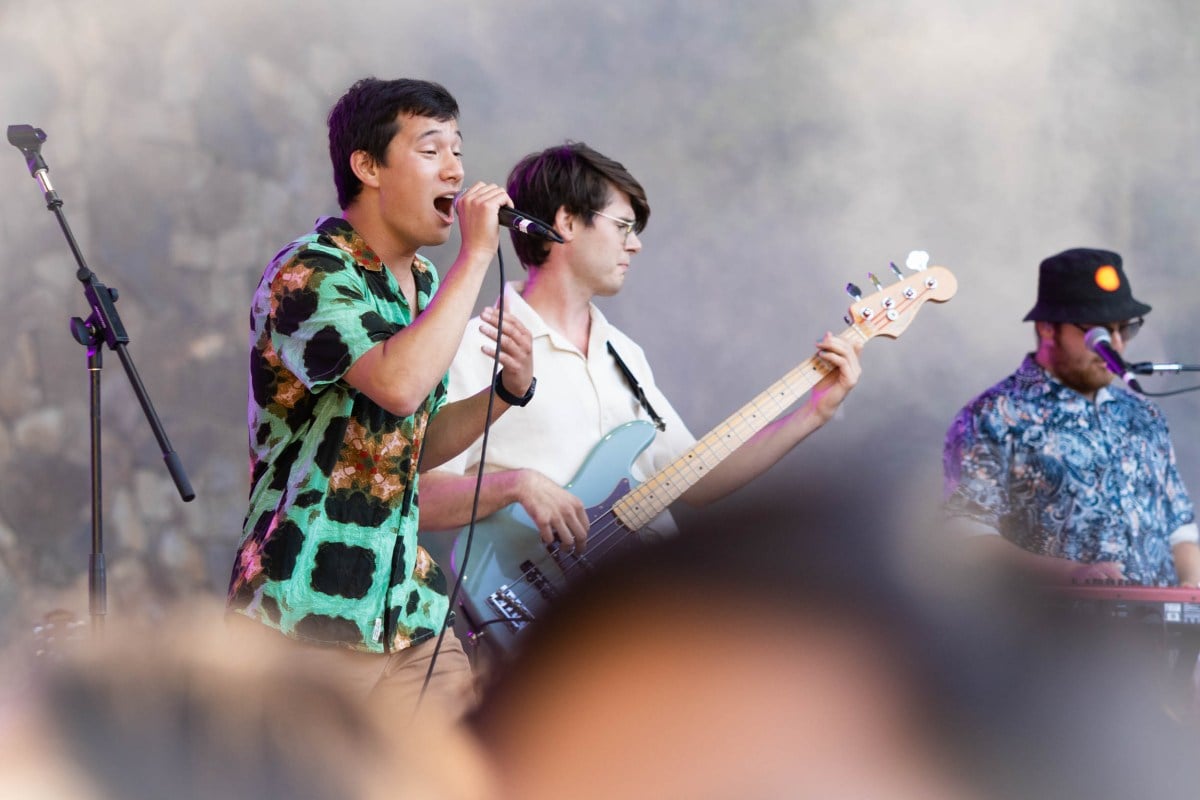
1156 368
103 326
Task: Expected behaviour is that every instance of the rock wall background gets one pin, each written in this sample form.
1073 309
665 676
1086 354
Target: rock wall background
787 148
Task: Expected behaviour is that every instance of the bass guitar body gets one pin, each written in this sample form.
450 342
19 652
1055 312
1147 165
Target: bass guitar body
511 576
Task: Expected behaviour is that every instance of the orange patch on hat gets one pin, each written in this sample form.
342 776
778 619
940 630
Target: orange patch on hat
1107 278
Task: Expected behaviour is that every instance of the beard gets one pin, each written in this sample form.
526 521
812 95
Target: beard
1086 373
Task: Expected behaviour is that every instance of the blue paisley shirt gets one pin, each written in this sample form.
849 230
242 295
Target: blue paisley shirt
1060 475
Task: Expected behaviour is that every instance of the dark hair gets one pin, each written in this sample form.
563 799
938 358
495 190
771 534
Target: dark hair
571 176
366 118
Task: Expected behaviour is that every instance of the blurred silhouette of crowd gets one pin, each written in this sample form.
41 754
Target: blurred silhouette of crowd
778 648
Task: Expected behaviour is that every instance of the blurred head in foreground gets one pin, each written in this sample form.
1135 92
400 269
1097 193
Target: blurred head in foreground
205 713
761 656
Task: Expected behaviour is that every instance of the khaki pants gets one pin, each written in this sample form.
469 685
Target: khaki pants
389 684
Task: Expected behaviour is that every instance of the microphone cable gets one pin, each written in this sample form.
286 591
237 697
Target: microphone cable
487 426
1147 368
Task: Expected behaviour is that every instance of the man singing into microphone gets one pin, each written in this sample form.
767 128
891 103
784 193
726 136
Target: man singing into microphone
351 335
1060 469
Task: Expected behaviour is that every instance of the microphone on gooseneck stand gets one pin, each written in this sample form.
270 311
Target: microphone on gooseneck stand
1100 341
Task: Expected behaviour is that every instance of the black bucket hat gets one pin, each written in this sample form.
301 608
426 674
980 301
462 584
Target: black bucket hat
1083 285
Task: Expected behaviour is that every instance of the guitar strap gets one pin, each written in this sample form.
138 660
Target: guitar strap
638 392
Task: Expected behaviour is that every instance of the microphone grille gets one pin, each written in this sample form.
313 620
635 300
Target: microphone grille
1097 335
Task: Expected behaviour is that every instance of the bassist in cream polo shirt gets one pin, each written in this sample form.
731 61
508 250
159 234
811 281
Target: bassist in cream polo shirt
591 378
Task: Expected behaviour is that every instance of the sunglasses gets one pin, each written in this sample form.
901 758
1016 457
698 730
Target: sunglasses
1127 329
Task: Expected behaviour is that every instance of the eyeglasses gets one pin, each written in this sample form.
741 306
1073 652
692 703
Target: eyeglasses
1127 330
626 226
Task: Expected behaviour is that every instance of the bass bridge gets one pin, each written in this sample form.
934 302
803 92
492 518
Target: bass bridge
512 609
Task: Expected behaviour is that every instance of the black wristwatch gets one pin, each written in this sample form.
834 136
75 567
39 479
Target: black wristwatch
509 397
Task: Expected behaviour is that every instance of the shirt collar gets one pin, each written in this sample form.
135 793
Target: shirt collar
516 305
1032 373
343 236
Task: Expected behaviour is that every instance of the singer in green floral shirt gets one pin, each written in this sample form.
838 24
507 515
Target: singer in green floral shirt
330 552
351 336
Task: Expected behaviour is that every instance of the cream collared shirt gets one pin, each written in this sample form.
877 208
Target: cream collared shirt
579 399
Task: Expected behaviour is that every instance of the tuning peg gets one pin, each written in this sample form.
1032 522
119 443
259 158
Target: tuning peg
895 270
875 281
917 260
853 291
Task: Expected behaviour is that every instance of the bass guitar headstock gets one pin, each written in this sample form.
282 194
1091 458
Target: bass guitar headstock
890 310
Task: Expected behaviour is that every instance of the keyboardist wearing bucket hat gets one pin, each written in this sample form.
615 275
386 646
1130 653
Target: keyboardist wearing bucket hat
1061 469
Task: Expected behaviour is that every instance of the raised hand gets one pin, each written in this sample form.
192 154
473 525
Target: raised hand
478 210
516 349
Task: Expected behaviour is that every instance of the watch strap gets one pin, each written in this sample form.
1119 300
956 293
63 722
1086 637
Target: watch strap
510 398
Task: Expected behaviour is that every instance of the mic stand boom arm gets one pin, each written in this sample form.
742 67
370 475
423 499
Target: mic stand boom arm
103 326
1149 368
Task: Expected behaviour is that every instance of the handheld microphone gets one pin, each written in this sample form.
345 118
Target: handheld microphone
1100 341
519 221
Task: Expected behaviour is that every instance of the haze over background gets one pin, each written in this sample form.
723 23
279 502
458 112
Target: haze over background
786 148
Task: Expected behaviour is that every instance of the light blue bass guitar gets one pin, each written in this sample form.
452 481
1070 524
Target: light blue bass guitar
511 576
